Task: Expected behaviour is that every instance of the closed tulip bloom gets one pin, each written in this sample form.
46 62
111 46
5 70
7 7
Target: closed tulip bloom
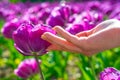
55 19
81 26
75 28
93 5
95 17
110 74
43 14
28 39
27 68
106 8
10 27
30 18
65 11
59 16
116 13
84 21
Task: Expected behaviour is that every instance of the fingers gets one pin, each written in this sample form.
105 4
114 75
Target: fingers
84 34
61 44
81 34
64 45
65 34
54 47
69 37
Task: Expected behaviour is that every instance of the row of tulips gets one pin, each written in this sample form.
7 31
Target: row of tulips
26 22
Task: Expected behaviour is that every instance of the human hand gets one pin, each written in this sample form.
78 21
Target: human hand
104 36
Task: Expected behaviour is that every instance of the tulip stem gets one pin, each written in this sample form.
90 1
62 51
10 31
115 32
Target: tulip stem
92 67
40 70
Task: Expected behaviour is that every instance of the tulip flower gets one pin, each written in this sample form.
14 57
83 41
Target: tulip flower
84 21
110 73
93 5
27 68
28 39
75 28
43 14
59 16
10 27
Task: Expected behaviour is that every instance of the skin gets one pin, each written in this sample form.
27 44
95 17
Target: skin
104 36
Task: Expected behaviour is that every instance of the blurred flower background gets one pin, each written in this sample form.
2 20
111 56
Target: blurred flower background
74 16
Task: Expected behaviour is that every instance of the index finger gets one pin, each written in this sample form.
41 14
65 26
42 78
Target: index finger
69 37
56 40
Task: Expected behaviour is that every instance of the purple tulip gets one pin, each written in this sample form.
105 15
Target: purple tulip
27 68
77 8
106 8
43 14
65 11
10 27
92 16
78 27
28 39
59 16
110 73
116 13
7 14
34 9
72 18
30 18
84 21
93 5
55 19
75 28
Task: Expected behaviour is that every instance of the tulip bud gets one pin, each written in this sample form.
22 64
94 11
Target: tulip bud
75 28
43 14
110 74
78 27
10 27
59 16
28 39
27 68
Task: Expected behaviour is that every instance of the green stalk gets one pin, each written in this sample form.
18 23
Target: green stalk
40 71
92 67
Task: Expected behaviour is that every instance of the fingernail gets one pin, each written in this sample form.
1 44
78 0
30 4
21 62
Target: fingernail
43 37
54 28
47 50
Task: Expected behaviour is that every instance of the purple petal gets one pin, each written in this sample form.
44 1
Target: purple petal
21 38
110 74
36 42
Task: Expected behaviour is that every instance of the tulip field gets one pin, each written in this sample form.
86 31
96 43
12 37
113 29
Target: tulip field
23 54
